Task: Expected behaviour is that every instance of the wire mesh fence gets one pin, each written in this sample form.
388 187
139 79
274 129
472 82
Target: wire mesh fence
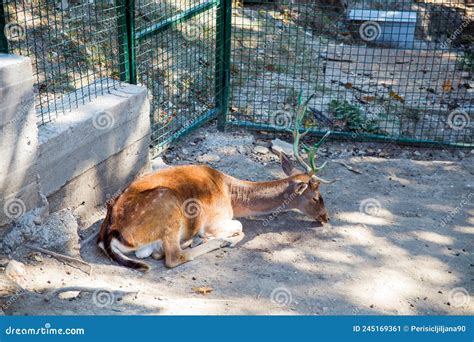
177 60
73 47
390 70
397 70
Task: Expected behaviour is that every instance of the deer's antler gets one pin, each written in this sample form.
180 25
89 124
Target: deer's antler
312 151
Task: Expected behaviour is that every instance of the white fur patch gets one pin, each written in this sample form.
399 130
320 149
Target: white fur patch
147 250
144 252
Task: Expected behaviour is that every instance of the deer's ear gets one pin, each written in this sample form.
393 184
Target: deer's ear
287 165
300 188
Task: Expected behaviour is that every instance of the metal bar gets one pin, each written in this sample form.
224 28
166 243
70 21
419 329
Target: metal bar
130 20
173 21
123 40
3 38
223 54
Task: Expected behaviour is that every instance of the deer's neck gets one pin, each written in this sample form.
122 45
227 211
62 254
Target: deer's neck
257 198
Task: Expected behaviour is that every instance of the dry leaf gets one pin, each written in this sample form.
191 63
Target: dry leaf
447 86
203 290
367 99
397 97
348 85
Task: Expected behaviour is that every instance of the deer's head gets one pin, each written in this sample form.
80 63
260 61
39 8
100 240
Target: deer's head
306 184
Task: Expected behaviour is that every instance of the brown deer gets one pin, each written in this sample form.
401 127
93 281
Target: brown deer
161 214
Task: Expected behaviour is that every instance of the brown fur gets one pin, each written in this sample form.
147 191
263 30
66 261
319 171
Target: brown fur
153 209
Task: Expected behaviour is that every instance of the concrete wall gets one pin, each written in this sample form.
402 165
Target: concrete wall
78 161
19 190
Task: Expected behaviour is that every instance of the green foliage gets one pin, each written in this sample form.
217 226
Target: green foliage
466 62
352 117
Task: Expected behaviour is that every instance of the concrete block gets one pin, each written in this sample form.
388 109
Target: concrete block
19 189
83 139
103 181
16 108
19 142
14 205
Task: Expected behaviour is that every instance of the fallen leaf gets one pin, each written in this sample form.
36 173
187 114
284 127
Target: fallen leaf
397 97
203 290
367 99
447 86
270 67
348 85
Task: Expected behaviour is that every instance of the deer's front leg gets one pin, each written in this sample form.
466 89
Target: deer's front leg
228 231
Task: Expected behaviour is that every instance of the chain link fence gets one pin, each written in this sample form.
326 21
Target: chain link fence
73 47
381 70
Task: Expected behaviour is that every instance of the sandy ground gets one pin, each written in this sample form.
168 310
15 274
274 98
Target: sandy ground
392 246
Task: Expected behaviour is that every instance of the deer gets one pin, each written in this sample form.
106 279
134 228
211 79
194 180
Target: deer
183 212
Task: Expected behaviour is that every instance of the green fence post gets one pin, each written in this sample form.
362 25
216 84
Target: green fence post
126 40
3 38
223 49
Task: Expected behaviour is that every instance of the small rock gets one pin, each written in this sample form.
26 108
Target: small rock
36 257
4 262
241 149
261 150
16 270
417 154
282 146
208 157
466 74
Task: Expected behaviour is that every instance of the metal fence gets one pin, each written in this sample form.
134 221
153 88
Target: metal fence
381 70
73 48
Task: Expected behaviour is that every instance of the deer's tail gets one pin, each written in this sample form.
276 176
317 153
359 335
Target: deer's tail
108 241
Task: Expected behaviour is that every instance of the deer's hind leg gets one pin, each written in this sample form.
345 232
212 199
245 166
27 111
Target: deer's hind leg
159 253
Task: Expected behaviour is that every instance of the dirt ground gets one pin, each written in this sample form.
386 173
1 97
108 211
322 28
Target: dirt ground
400 241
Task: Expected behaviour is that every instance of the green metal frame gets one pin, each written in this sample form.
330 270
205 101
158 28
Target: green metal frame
177 19
126 30
3 38
359 137
223 57
128 66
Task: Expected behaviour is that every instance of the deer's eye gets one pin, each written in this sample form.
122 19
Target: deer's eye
315 199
